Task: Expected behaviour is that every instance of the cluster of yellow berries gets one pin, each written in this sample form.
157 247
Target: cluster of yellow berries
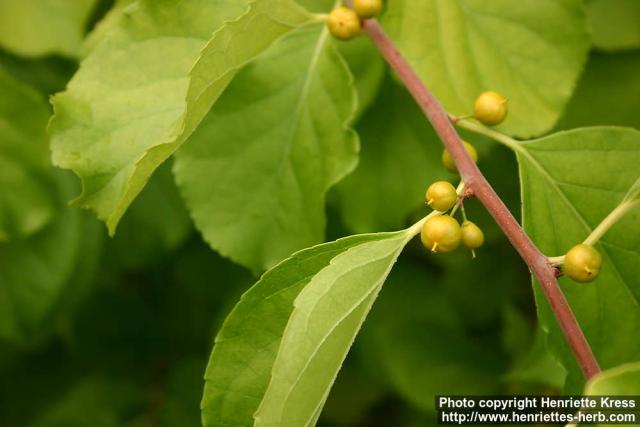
345 23
443 233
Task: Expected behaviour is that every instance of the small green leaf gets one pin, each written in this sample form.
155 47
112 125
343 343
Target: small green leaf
41 27
26 205
570 182
614 24
623 380
128 108
327 315
532 53
400 157
270 149
240 366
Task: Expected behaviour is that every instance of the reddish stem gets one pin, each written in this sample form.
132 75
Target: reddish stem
473 178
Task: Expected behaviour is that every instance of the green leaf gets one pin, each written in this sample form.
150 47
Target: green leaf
532 53
622 380
326 317
240 366
400 157
41 27
602 100
26 205
570 182
255 173
128 108
614 24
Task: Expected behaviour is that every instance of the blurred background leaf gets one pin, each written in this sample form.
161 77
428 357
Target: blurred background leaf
41 27
615 24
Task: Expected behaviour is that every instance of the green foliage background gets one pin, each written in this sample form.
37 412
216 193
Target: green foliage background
309 141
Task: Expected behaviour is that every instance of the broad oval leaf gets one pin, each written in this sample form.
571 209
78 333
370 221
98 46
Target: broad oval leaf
270 149
327 315
26 204
532 53
41 27
245 349
570 182
129 108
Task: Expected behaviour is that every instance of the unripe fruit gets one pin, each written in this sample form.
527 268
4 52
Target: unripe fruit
448 162
441 234
441 196
582 263
490 108
367 8
472 236
343 23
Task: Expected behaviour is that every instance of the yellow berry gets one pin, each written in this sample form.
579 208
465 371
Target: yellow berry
472 235
441 196
448 162
343 23
367 8
582 263
490 108
441 234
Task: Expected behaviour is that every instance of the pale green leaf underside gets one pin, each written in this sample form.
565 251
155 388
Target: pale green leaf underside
622 380
41 27
269 149
615 24
327 315
570 182
25 201
147 83
532 53
240 366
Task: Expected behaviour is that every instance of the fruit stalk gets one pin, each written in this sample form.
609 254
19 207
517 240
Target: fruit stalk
475 181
